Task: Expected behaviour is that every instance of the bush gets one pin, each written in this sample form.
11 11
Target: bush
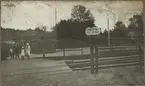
48 45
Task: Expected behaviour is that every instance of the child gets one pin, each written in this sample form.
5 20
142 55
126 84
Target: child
22 53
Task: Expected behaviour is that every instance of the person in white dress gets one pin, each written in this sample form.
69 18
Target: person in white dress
28 50
11 53
22 53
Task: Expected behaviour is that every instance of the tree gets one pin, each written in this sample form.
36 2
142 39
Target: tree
120 30
105 33
80 13
81 18
119 25
136 25
62 29
74 28
29 29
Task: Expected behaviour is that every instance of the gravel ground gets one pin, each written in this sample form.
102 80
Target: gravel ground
115 76
41 72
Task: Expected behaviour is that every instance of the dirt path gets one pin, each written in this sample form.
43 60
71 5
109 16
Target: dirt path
13 67
40 72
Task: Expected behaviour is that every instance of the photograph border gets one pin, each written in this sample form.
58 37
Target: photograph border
81 0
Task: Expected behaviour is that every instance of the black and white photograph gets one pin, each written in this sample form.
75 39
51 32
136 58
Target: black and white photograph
72 43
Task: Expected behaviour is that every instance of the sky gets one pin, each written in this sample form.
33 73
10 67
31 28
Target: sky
30 14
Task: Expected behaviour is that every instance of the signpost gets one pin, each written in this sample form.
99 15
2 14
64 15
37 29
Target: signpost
92 31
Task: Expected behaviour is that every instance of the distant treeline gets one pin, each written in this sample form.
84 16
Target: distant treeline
82 18
8 34
72 31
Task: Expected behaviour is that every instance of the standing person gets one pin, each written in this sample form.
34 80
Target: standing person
14 50
22 53
11 53
17 51
28 50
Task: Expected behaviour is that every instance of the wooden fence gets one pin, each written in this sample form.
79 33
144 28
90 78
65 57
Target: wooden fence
105 57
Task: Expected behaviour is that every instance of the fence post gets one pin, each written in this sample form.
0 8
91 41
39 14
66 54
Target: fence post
63 52
140 57
81 51
92 56
96 59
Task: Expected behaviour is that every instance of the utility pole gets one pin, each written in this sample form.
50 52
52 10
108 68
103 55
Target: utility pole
108 30
55 16
55 13
110 11
50 22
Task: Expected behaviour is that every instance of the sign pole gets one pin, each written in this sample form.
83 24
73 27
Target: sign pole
108 32
91 31
96 58
91 54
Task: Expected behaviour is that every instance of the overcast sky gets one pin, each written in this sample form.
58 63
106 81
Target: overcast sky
30 14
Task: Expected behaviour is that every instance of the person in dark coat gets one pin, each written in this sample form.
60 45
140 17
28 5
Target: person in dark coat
14 50
17 51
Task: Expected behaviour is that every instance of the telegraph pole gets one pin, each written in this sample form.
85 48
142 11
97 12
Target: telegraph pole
55 16
50 22
108 31
55 13
108 9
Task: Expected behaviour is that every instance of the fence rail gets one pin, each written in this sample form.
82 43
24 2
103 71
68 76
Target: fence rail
127 56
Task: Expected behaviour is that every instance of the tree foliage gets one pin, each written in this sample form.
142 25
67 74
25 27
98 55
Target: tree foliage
120 30
136 24
74 28
81 13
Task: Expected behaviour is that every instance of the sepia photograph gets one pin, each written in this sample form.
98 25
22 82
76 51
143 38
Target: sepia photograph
72 43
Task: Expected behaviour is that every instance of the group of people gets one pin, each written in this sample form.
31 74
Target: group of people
20 51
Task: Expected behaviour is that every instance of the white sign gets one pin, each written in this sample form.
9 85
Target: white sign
92 31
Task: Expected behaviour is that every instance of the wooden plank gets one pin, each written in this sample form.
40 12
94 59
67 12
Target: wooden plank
119 65
111 54
121 58
78 57
104 63
118 62
130 56
102 67
81 60
117 47
118 51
